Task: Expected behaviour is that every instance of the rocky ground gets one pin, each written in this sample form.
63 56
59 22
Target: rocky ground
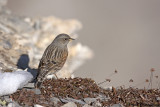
83 92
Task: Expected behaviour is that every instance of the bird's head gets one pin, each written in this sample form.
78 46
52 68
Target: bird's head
62 40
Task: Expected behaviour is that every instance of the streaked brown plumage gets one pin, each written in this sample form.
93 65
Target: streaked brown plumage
53 58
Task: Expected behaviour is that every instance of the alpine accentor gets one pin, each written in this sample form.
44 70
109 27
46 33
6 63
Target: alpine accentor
53 58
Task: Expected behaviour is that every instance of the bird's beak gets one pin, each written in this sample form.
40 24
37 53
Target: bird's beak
70 39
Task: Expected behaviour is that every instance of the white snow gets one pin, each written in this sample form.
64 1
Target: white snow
11 81
37 105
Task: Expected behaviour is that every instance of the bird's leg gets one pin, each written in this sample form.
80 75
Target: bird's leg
56 76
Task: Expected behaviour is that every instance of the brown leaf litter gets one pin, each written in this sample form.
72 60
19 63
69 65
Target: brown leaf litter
80 88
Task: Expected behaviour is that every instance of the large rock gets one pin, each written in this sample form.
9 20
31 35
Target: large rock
24 39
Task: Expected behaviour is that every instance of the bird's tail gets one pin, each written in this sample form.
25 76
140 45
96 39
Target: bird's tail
39 81
40 78
38 84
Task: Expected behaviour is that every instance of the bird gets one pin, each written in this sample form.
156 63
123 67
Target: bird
53 58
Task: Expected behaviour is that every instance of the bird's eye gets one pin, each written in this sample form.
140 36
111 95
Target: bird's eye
65 39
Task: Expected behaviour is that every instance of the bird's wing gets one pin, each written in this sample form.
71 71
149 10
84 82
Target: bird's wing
52 59
43 68
45 62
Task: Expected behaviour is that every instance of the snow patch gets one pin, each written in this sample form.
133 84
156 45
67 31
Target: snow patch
11 81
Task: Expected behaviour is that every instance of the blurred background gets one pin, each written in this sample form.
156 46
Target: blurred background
124 36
